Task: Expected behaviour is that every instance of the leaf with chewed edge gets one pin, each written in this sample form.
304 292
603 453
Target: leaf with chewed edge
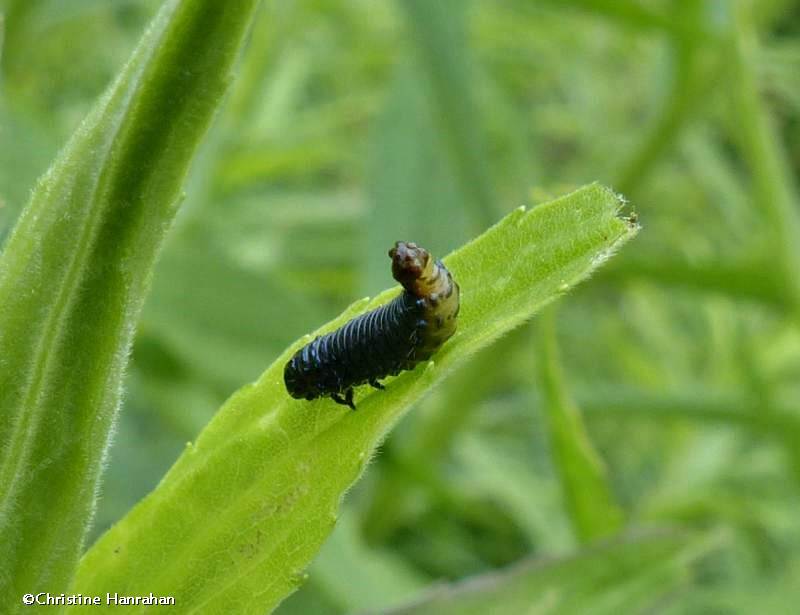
243 511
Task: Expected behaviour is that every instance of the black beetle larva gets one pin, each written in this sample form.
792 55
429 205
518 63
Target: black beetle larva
385 341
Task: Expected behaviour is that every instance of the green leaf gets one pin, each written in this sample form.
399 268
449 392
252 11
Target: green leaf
242 512
414 192
584 480
438 30
629 575
73 277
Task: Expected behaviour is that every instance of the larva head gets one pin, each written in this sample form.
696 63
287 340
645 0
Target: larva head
410 263
297 383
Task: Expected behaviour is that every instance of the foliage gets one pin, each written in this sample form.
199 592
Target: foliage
73 276
245 508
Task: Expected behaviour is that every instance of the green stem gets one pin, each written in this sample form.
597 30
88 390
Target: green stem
690 84
774 190
749 281
637 17
584 482
773 421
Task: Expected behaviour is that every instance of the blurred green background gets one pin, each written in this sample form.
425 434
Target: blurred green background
353 123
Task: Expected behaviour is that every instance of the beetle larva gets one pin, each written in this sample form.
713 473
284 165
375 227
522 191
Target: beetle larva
385 341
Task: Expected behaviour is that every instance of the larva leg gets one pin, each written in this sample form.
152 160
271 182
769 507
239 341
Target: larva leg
335 397
374 383
348 398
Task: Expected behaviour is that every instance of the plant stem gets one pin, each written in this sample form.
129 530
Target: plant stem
773 187
584 480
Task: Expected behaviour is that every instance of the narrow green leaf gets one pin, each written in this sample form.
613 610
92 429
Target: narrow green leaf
73 277
584 481
242 512
439 32
413 190
624 576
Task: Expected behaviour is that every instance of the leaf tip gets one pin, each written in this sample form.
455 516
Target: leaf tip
632 220
298 577
625 211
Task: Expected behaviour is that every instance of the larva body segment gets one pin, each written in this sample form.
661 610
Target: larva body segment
385 341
